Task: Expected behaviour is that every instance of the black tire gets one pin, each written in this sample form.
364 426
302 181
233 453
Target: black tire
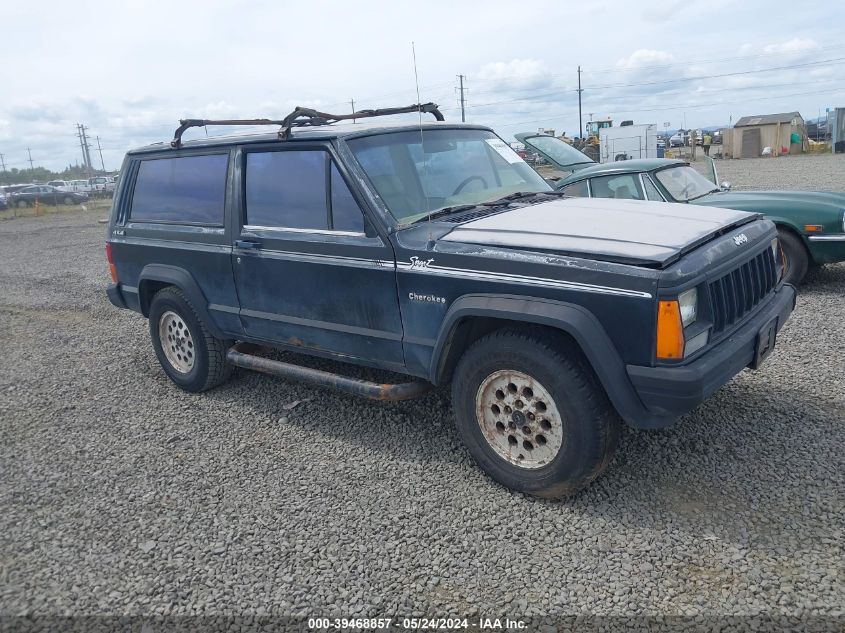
22 204
208 357
68 200
795 254
589 425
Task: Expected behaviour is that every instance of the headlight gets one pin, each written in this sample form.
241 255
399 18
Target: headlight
688 301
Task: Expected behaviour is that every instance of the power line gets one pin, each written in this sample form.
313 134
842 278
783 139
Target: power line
557 93
688 62
686 107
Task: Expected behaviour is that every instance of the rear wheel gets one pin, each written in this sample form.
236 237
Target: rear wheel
190 356
532 413
68 200
22 204
795 254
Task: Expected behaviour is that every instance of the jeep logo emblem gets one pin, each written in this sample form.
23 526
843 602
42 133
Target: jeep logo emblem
740 239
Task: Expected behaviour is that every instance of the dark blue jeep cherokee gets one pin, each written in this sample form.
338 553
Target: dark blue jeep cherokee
432 250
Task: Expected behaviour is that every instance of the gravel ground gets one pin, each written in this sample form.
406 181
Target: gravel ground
121 494
821 172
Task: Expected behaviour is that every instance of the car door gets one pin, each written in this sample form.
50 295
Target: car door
50 195
311 270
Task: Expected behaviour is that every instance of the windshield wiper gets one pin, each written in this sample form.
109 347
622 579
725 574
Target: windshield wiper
520 194
444 211
706 193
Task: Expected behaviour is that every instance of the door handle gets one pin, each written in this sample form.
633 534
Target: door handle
246 244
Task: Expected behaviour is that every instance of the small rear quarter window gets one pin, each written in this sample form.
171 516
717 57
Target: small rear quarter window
578 189
189 189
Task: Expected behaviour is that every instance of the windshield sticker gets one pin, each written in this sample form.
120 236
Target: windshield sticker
504 150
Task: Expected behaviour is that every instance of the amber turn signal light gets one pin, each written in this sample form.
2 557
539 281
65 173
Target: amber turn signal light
112 268
670 330
813 228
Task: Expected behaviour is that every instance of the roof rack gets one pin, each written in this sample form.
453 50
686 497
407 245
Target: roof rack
304 117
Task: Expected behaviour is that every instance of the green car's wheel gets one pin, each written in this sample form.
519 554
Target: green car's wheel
795 254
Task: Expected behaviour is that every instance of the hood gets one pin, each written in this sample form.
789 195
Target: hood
624 231
559 153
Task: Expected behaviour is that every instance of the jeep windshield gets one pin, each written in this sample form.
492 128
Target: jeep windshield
685 183
422 172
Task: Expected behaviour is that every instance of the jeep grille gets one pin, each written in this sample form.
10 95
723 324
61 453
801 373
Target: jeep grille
736 293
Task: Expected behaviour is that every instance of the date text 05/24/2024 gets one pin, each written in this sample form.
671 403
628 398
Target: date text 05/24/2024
420 624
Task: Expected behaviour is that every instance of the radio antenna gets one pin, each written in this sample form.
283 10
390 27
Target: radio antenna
422 142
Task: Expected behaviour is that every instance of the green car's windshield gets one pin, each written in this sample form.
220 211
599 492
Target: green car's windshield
685 183
421 172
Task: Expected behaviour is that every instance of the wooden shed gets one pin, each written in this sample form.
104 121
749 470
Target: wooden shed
751 134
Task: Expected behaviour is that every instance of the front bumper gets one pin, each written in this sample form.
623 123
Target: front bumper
827 249
668 392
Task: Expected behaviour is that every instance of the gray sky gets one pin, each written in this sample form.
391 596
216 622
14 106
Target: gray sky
129 70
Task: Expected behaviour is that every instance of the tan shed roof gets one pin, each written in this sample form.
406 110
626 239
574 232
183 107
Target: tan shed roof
767 119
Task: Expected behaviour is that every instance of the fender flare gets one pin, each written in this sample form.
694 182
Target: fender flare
578 322
182 279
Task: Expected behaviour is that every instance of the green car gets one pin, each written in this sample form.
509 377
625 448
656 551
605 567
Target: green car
811 224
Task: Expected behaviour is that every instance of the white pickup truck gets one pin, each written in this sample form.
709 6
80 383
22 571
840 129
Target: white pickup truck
102 186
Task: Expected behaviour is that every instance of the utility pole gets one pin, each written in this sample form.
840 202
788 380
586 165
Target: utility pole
100 149
31 167
87 148
81 144
463 101
352 103
580 121
3 162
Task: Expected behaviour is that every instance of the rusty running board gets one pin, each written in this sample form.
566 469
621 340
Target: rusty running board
240 355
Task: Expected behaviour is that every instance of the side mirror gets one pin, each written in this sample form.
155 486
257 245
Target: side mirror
726 186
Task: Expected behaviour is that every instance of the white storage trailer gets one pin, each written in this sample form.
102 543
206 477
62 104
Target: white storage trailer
627 142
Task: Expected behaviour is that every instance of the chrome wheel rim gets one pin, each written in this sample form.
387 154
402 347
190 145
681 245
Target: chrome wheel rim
177 342
519 419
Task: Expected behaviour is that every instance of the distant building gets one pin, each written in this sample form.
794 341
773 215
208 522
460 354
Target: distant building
784 133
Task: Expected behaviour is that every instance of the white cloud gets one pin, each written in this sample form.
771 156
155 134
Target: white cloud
517 73
645 57
795 45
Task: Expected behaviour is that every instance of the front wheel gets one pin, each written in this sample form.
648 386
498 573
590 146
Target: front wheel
68 200
532 412
795 255
190 356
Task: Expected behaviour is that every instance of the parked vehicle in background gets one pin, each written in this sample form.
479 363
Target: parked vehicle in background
432 250
80 186
61 185
102 186
679 139
3 204
45 194
811 224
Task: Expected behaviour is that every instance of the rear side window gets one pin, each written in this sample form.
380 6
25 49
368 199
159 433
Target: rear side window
623 187
299 189
189 189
